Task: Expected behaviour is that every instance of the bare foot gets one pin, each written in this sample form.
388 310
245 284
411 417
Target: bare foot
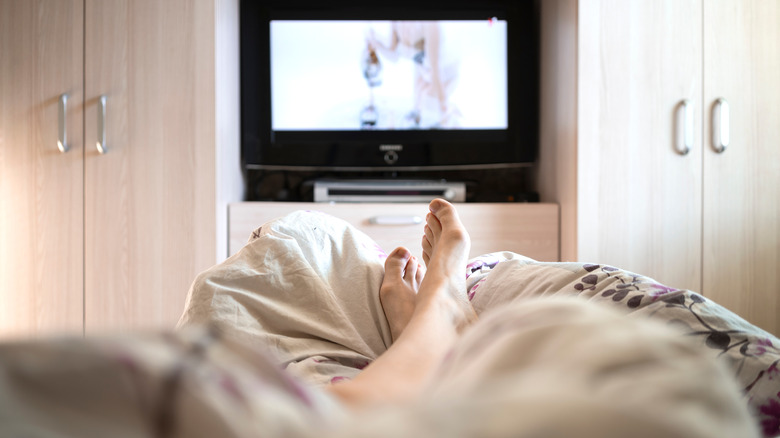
423 337
446 246
398 293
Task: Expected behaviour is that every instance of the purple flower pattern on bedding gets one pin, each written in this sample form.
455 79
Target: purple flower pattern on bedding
473 289
628 284
751 353
480 265
771 423
376 249
746 351
487 262
742 349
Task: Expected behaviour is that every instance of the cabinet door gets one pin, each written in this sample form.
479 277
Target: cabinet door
41 200
639 200
150 213
742 184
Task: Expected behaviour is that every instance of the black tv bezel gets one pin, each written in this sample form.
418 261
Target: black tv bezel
365 150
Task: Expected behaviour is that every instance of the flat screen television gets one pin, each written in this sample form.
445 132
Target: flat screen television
361 86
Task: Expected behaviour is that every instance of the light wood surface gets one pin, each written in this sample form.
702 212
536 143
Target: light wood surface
41 202
627 53
131 229
742 185
556 167
527 229
150 200
229 177
638 199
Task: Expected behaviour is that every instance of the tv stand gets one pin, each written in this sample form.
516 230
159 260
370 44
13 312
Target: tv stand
530 229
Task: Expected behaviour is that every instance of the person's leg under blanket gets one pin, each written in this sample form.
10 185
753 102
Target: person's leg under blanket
557 367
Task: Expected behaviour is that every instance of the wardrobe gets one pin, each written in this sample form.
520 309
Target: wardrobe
118 155
660 132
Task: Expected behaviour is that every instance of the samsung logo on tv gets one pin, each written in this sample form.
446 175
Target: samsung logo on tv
391 147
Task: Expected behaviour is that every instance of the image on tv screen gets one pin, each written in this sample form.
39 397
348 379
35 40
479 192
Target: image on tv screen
388 75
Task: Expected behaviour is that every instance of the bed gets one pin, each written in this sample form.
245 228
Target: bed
297 309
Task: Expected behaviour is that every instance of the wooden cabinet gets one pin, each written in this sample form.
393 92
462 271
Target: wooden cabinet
41 202
741 189
111 241
150 199
639 203
527 229
704 220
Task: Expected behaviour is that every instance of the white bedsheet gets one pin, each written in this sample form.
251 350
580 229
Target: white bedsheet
553 355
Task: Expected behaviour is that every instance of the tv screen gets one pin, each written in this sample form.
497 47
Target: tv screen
347 86
388 75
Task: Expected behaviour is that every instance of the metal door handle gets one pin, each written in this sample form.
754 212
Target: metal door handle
101 125
720 125
684 140
62 136
395 220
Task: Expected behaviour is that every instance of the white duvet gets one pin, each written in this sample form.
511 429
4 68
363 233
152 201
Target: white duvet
560 350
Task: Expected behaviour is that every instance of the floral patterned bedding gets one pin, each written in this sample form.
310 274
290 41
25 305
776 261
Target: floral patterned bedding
564 349
752 355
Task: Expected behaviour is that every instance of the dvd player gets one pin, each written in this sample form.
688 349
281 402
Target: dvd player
388 191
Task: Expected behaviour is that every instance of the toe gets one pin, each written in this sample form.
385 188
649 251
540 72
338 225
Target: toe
446 217
443 210
410 270
429 235
427 249
396 262
433 223
420 274
437 204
